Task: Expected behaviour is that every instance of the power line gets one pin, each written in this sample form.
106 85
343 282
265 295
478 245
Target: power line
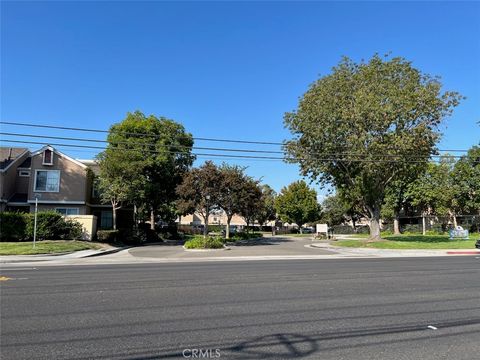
216 155
213 149
159 136
136 134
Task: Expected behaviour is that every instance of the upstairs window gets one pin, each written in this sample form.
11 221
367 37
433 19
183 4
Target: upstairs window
47 180
47 157
68 211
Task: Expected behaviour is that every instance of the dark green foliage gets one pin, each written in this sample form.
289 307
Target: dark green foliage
13 226
199 242
297 203
107 236
246 236
352 123
50 226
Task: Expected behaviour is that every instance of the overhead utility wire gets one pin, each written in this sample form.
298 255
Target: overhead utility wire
159 136
136 134
215 149
216 155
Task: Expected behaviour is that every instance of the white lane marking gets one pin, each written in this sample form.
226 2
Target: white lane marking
432 327
18 269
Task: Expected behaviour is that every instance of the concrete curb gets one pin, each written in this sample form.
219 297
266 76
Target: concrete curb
107 252
206 250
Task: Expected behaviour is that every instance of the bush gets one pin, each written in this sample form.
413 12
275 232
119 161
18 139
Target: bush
50 226
198 242
412 229
245 236
107 236
13 226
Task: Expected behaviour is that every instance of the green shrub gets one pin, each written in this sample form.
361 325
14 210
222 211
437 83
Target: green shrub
245 236
13 226
52 225
198 242
107 236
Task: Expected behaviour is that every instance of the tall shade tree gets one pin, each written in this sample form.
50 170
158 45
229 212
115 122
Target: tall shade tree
435 191
233 191
367 125
252 202
267 211
466 177
199 192
336 211
297 203
155 153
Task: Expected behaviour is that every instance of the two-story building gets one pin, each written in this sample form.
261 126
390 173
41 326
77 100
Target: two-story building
55 180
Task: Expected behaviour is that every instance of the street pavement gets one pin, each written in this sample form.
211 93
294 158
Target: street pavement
397 308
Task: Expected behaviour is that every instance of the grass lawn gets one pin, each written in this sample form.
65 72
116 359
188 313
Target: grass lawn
297 235
45 247
413 242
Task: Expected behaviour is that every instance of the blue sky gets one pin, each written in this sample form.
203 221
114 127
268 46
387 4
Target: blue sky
223 69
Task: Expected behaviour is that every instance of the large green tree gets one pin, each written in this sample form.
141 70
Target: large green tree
146 157
232 192
297 203
366 125
267 211
435 191
466 177
199 192
252 202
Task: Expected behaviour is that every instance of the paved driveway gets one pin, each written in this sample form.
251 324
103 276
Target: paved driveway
268 246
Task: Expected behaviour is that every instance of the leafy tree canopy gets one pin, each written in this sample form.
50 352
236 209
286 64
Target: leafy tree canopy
297 203
366 125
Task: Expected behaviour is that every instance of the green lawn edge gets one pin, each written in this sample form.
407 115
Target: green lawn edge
45 247
412 242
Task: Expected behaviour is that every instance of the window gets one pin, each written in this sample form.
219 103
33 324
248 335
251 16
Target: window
47 180
68 211
106 220
47 157
24 173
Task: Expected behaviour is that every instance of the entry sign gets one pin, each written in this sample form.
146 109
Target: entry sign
322 228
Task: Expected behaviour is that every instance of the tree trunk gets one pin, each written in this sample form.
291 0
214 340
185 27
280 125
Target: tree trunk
152 220
375 223
114 217
424 225
454 218
205 220
227 227
396 225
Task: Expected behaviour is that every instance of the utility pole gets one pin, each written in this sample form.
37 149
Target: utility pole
35 222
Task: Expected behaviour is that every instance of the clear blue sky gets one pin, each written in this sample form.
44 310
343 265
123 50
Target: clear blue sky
223 69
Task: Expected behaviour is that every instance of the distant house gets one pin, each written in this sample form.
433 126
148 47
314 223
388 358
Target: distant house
59 182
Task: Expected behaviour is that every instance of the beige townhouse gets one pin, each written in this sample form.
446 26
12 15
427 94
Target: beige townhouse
57 181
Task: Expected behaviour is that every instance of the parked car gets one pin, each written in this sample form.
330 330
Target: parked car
477 244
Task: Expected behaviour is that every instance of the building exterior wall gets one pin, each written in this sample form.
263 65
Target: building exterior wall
89 224
8 178
73 181
82 209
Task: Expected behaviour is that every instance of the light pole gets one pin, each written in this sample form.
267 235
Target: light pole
35 221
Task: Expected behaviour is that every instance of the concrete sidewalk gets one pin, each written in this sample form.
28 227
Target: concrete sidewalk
371 252
269 248
6 259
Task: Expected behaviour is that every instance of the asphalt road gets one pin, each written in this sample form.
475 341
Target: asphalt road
309 309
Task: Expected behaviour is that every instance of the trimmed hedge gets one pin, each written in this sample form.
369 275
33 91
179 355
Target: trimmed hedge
198 242
51 225
107 236
245 236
